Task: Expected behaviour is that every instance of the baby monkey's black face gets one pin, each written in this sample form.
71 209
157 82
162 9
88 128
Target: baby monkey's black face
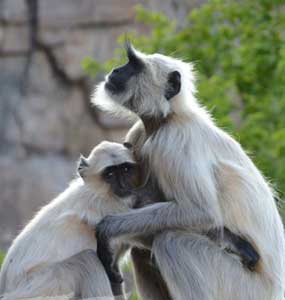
111 165
122 178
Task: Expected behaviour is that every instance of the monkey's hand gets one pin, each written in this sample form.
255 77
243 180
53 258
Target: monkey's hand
105 252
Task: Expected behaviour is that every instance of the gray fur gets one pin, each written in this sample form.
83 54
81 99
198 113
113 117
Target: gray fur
149 281
214 184
80 276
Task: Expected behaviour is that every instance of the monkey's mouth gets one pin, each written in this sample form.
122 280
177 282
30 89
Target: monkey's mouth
117 89
111 87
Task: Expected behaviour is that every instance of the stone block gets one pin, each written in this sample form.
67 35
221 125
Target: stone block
78 44
13 11
14 40
71 13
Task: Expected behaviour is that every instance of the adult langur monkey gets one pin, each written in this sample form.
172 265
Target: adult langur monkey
55 254
209 182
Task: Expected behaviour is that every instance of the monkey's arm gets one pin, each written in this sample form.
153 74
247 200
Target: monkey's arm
193 212
136 136
154 218
146 221
193 204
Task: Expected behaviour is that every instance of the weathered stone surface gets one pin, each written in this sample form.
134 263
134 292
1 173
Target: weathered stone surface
77 44
14 40
52 117
174 9
67 13
13 11
71 13
1 36
121 11
10 80
25 186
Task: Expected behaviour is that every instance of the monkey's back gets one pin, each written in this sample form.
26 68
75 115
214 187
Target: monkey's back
191 152
54 234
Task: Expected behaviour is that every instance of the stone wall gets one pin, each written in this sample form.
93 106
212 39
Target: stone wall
45 116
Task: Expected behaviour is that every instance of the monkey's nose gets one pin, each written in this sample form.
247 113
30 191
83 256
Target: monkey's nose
81 172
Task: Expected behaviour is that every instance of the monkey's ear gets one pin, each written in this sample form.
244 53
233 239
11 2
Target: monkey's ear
128 145
82 165
173 85
132 56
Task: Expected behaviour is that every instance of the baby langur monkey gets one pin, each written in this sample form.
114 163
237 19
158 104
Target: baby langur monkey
55 254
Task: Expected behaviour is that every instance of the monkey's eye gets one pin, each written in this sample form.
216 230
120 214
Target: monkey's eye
126 169
109 174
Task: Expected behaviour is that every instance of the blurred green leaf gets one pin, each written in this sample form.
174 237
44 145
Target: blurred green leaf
135 296
91 66
2 255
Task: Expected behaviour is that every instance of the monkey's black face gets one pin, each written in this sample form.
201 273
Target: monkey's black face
122 178
144 85
119 77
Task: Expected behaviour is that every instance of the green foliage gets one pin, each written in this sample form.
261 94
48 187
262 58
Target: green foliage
127 266
238 48
135 296
1 257
91 66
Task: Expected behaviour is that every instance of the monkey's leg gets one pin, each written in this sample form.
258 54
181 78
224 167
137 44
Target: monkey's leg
81 276
148 279
90 278
194 268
